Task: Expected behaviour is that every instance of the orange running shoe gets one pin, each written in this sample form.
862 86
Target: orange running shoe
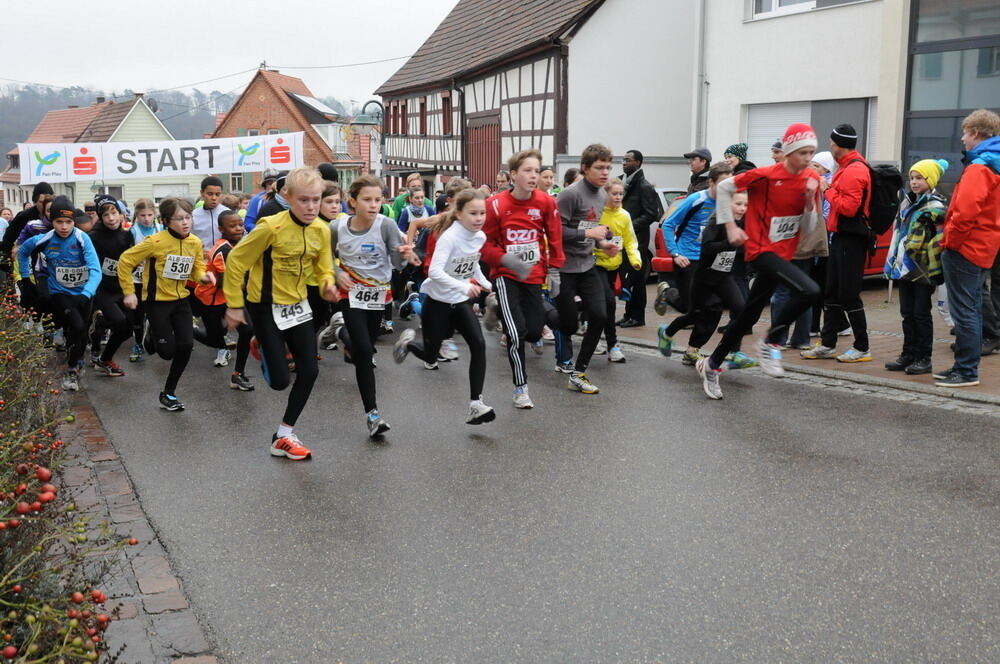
289 446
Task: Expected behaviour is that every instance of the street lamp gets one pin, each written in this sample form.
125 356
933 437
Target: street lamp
374 119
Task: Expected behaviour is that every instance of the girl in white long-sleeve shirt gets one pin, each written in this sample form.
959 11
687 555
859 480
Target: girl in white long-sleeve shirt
454 280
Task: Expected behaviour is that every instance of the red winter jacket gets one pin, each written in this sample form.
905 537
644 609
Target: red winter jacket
972 224
852 184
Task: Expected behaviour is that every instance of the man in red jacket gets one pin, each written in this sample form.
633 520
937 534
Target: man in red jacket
971 241
849 195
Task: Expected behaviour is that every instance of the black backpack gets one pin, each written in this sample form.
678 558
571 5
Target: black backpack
886 183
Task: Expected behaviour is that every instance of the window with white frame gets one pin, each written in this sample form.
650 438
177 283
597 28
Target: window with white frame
236 182
769 8
170 190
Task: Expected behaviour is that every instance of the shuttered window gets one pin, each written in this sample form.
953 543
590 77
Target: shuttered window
766 123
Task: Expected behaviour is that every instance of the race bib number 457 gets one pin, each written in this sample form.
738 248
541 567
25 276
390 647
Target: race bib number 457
71 276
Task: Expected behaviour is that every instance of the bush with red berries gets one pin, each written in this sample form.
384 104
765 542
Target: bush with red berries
52 558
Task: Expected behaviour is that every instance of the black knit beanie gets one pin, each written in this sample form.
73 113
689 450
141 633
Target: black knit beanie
845 136
41 189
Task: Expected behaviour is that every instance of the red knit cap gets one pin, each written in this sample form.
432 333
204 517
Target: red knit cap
798 136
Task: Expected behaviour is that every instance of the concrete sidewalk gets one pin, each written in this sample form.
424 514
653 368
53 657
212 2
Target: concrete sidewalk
886 339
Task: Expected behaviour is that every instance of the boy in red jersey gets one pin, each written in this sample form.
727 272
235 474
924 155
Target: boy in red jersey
784 199
523 246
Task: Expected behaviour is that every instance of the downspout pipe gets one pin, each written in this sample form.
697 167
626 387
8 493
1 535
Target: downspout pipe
701 109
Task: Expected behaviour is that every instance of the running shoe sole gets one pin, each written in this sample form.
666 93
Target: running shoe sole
483 418
294 457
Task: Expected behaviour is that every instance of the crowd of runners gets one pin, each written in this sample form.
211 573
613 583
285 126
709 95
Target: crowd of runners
305 267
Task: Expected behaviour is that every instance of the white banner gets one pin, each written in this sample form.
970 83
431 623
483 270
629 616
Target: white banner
76 162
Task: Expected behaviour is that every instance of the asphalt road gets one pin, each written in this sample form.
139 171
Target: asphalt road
645 524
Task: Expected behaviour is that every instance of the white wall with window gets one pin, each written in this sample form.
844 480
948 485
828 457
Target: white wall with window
171 190
769 61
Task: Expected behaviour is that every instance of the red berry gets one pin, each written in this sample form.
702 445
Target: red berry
77 597
22 508
102 618
49 487
10 652
13 523
17 588
43 474
72 613
21 468
36 506
96 595
133 541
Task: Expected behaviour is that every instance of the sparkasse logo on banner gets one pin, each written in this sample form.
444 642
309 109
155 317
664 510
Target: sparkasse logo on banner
80 162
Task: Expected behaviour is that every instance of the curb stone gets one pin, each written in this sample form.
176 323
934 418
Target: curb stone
151 616
863 379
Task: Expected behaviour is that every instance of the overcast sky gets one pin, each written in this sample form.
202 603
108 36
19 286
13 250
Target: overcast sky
146 44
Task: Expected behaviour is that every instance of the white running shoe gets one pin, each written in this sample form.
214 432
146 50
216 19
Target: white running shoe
222 358
819 352
480 413
449 351
521 398
399 349
72 381
547 334
616 355
769 359
709 378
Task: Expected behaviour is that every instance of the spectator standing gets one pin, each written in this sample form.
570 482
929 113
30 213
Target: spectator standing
849 195
699 160
971 240
736 156
643 204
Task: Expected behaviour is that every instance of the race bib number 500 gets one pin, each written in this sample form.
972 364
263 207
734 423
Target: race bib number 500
178 267
290 315
527 252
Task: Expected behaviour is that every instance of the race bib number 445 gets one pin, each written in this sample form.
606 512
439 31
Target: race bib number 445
784 228
178 267
368 297
290 315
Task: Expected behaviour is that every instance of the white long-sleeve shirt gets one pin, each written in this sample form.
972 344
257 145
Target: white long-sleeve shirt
454 264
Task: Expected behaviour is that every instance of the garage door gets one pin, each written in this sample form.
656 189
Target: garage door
766 123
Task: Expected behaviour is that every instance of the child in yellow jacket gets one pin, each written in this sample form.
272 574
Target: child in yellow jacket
619 222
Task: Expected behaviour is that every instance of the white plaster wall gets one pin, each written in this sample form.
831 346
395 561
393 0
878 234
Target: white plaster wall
835 53
631 76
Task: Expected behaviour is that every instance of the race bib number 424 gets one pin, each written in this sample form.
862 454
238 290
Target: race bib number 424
290 315
462 267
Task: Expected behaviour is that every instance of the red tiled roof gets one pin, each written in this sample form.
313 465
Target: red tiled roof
14 177
281 85
104 125
478 32
64 125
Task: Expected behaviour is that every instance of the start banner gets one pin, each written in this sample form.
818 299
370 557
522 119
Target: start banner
76 162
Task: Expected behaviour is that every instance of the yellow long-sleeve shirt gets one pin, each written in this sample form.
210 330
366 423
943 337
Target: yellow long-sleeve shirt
169 262
619 222
278 253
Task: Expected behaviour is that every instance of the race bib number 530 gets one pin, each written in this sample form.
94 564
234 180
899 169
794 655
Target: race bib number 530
178 267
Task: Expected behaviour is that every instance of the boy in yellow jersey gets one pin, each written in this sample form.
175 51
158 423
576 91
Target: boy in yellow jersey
170 259
281 253
619 223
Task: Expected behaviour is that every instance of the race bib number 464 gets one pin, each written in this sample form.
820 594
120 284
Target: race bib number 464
368 297
178 267
290 315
